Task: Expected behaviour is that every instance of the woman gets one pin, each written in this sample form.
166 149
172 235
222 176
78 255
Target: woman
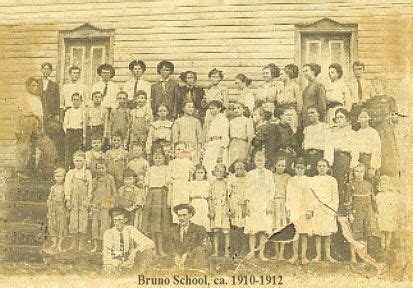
382 109
216 91
246 96
337 92
267 92
314 93
191 93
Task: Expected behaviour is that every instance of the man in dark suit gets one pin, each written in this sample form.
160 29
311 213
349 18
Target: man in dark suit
50 97
188 240
166 90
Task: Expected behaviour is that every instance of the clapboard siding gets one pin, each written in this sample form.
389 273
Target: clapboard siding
235 36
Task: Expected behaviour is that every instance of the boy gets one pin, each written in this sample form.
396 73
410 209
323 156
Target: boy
187 129
78 193
103 198
74 126
140 117
121 244
95 154
119 117
69 89
96 115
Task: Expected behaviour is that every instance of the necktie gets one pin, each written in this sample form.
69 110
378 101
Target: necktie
359 90
135 88
105 90
163 85
182 234
122 245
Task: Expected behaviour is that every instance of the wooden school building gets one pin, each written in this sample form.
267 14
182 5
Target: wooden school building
233 35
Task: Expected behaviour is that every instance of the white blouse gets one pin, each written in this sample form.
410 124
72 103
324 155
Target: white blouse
368 141
345 139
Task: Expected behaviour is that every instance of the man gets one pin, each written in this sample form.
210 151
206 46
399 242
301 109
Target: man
360 92
50 97
71 88
136 83
124 246
188 240
106 86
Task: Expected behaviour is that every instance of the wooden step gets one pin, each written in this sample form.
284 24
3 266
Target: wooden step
24 212
21 253
19 189
22 234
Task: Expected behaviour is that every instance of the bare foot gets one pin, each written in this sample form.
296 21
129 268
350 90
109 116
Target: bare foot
292 260
250 255
162 253
354 260
94 250
281 258
316 259
262 257
331 260
304 261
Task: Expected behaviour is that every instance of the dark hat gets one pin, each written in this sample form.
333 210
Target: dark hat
117 210
190 208
106 67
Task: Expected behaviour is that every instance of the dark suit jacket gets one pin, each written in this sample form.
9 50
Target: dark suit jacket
197 94
193 240
168 97
50 99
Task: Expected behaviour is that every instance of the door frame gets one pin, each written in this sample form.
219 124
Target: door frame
85 31
325 26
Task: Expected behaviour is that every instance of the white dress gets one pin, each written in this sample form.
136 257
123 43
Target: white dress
387 210
217 136
200 192
260 191
324 219
299 201
180 173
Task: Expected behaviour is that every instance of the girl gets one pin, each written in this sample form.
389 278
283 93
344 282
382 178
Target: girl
325 190
160 131
220 208
267 92
156 216
237 206
217 138
299 202
241 132
199 197
360 206
346 155
138 163
246 96
388 205
56 212
103 198
180 170
337 92
216 91
279 215
140 118
260 190
117 159
369 145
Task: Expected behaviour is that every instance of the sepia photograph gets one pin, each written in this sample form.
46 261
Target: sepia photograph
254 143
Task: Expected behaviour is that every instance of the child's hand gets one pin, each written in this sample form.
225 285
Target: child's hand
351 218
309 214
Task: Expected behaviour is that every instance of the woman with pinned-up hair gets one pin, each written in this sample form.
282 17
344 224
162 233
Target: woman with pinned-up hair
267 92
246 96
191 93
216 91
315 93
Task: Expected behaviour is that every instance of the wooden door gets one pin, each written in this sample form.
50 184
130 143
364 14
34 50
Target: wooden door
87 54
325 49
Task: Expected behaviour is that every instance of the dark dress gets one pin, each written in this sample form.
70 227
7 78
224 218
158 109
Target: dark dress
194 94
380 108
285 145
314 95
168 96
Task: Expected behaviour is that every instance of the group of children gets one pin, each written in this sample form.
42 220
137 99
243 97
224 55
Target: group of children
243 171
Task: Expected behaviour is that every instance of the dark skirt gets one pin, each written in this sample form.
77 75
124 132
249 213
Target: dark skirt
341 171
156 217
388 148
363 213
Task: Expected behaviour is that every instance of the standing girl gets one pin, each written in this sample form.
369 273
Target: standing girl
160 132
267 92
246 96
388 205
299 205
138 163
180 170
216 91
220 208
217 138
325 190
156 216
279 213
199 197
260 190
